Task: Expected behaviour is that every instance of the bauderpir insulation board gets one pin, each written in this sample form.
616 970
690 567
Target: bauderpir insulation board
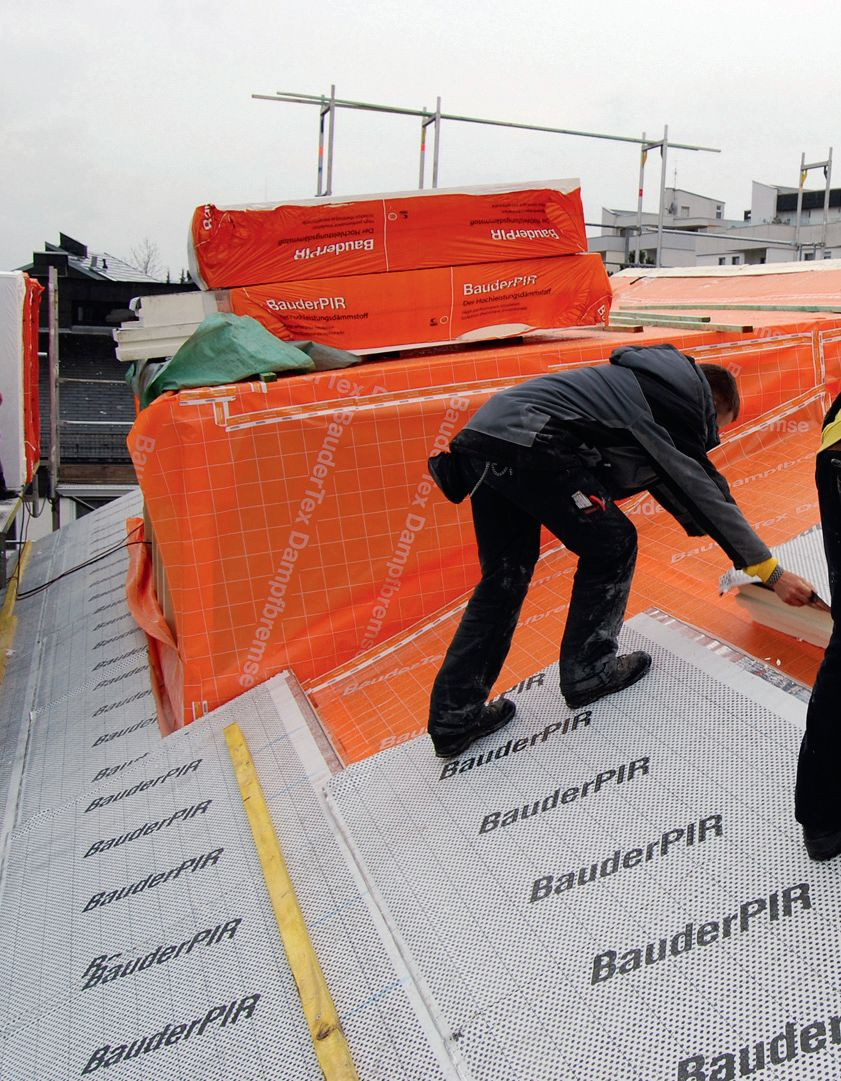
374 234
12 454
365 313
432 307
618 893
137 936
805 556
76 699
527 934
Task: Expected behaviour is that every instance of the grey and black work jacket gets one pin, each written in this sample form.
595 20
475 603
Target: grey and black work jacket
644 421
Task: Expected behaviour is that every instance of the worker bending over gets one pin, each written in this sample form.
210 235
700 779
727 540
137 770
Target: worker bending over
558 451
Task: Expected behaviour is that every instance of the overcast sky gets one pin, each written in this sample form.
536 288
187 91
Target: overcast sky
118 119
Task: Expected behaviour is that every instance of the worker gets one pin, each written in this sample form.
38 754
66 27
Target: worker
558 451
817 803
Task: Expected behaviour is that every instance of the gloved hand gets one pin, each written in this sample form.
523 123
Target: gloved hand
796 591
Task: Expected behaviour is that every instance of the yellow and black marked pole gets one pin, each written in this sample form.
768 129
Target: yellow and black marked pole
8 619
328 1039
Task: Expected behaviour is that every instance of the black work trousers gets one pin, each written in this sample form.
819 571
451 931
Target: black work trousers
817 799
509 506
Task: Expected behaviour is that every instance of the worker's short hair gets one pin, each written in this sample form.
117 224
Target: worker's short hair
724 388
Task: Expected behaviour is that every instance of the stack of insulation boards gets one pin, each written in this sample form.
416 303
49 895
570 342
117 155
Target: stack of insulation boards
20 439
374 273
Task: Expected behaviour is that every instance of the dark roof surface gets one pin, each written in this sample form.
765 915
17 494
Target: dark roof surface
99 266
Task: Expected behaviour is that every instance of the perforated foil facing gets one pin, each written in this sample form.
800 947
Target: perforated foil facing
139 910
79 665
91 709
138 937
618 894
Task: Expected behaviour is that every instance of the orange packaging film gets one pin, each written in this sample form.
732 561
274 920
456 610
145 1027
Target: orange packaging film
299 527
788 284
432 306
165 668
295 537
31 406
372 235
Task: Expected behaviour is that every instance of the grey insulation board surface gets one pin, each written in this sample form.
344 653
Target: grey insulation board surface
100 892
624 897
76 698
459 939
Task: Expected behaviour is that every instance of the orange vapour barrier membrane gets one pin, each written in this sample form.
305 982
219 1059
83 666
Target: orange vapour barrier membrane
296 525
325 238
427 307
31 405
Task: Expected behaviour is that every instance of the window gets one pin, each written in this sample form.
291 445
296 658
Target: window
808 255
721 260
684 211
719 211
827 253
736 260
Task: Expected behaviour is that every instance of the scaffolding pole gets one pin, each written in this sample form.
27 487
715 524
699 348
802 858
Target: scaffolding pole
330 131
436 143
329 106
643 157
425 122
664 146
804 171
427 119
52 347
828 175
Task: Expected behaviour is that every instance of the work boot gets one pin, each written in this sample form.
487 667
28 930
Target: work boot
628 669
822 846
490 718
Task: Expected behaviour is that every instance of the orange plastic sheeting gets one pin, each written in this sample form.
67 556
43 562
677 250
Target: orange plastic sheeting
372 235
164 664
295 537
432 306
31 406
381 700
794 285
789 353
297 523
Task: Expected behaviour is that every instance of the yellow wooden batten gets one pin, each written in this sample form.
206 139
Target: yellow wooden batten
8 619
328 1039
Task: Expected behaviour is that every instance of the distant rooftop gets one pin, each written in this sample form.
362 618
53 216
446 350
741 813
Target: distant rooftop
100 266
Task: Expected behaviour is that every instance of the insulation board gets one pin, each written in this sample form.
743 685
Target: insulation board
138 939
805 556
618 893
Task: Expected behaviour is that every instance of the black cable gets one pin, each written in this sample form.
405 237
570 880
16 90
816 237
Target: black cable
81 566
44 502
96 559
